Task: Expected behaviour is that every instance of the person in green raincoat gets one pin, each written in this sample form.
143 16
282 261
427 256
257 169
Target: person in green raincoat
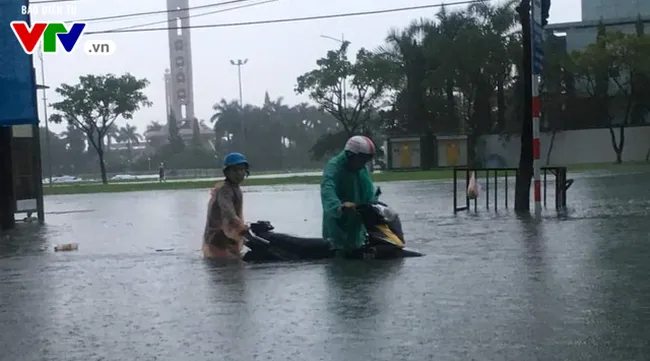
346 182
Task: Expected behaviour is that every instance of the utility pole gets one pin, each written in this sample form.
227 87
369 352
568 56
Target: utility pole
47 121
344 79
533 15
239 63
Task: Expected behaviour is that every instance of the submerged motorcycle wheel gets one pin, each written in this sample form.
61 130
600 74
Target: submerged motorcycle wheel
364 253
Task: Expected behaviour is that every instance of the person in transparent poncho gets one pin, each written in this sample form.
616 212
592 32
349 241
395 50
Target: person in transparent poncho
224 227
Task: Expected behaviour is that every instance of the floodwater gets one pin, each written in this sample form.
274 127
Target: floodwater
492 287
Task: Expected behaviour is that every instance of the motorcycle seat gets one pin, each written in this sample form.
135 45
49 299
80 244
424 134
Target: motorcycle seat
282 240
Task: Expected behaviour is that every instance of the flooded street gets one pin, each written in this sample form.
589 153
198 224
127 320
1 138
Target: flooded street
491 286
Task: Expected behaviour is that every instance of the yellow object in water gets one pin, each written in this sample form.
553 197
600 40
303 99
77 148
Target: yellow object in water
66 247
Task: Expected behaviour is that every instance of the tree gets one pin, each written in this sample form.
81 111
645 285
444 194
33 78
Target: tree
606 71
75 146
640 86
176 143
557 91
111 134
408 114
227 121
154 126
196 134
96 102
129 135
355 108
283 135
53 151
454 74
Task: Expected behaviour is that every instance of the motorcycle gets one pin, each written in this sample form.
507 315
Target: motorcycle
385 239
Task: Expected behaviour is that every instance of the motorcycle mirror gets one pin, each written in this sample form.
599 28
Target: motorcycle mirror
378 192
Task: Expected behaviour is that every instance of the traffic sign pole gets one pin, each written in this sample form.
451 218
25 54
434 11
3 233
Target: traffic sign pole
537 37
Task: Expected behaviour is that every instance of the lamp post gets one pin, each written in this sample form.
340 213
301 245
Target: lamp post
239 63
47 121
344 79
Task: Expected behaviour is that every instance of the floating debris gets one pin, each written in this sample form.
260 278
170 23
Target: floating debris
66 247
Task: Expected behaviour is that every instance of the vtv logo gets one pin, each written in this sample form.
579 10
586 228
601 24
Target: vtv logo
48 33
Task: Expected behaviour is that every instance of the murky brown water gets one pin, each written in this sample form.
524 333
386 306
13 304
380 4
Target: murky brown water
491 287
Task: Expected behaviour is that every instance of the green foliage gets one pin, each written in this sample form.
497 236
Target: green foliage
368 79
613 72
196 134
615 56
329 144
175 140
455 72
192 157
276 137
94 104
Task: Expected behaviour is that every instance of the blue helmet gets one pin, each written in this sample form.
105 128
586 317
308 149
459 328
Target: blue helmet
232 159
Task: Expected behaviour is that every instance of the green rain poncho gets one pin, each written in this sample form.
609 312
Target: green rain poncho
339 185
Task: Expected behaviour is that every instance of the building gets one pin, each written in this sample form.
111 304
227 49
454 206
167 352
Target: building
155 138
621 15
21 189
179 78
594 10
179 83
585 145
425 152
614 15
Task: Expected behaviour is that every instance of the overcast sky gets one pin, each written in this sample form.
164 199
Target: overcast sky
276 53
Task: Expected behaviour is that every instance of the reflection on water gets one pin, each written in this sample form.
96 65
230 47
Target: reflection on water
26 239
492 287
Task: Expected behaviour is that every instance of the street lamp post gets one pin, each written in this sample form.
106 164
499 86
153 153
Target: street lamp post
344 79
47 127
239 63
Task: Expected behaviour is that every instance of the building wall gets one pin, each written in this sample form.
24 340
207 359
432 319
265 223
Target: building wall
180 58
580 35
405 153
614 9
573 147
579 38
452 152
168 94
26 168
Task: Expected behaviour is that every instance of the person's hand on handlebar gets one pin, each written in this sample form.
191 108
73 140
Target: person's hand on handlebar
245 229
348 206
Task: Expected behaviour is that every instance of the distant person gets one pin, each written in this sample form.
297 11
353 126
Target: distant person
346 183
225 228
161 173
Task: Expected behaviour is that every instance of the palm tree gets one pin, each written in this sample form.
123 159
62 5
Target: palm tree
75 144
196 134
75 139
227 120
404 48
129 135
498 24
154 126
111 134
